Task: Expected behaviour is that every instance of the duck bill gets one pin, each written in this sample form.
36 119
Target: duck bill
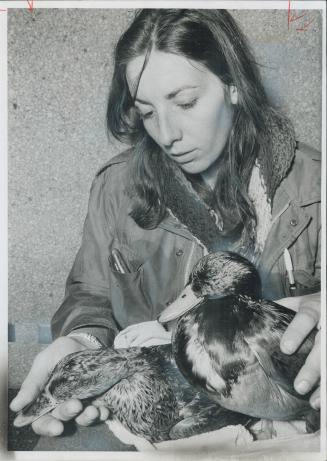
183 304
23 419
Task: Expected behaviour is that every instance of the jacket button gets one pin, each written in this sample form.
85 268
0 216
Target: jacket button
179 252
293 222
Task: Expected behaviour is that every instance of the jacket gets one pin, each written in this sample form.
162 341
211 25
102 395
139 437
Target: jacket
159 261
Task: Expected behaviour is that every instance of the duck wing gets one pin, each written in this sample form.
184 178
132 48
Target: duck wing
278 370
197 412
265 345
230 347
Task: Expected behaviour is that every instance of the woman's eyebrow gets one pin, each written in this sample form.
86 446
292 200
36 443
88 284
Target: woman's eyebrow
141 101
170 95
179 90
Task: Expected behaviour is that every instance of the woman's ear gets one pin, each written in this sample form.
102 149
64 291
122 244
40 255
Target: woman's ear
233 93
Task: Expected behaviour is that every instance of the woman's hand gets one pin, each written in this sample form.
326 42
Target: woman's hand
308 309
143 334
51 424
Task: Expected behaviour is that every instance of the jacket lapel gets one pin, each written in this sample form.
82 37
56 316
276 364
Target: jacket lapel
289 220
171 224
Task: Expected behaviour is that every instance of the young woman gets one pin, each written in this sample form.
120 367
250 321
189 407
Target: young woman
211 165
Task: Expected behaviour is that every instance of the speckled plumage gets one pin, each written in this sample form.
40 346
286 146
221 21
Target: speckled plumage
142 388
229 344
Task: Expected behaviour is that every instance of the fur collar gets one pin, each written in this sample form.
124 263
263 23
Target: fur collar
192 212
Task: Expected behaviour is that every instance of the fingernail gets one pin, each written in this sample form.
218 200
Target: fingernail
302 387
288 347
12 403
15 404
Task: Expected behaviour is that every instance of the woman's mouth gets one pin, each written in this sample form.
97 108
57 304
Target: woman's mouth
184 157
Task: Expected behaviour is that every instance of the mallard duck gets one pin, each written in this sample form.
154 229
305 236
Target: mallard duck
142 388
227 341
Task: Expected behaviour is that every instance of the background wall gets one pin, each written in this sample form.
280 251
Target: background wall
60 65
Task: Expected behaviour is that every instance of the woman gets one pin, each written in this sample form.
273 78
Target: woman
212 165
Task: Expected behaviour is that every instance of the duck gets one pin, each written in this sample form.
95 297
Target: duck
226 342
141 387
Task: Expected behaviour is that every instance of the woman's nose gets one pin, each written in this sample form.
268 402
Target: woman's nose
169 131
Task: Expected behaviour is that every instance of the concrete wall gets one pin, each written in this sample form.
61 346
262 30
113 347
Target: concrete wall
60 65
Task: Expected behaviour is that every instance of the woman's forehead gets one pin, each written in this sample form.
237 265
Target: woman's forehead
164 73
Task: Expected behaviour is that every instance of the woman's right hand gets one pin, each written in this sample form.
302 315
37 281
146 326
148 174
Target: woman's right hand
51 424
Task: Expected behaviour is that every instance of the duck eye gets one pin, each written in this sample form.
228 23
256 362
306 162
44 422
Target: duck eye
183 296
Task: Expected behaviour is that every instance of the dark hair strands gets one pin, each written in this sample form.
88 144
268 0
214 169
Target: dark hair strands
212 38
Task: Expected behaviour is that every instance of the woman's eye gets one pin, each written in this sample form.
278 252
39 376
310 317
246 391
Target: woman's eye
146 116
188 105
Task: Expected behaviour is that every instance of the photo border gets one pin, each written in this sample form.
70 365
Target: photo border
5 6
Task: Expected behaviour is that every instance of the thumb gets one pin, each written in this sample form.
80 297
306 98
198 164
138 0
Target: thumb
291 302
33 383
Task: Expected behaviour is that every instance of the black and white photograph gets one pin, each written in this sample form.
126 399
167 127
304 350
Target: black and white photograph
163 236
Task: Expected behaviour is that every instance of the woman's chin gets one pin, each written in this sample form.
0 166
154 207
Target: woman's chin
192 167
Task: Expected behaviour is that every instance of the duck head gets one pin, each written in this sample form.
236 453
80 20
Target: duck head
80 375
214 276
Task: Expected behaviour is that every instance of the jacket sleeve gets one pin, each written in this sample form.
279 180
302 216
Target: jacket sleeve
87 303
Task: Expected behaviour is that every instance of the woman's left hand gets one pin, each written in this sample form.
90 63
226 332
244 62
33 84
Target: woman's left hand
308 309
142 334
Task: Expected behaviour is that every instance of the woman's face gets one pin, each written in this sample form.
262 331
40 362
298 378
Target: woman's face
184 109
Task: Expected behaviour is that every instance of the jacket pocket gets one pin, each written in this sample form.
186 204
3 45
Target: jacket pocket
129 303
305 283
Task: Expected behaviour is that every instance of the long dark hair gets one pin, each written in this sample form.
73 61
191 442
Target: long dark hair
212 38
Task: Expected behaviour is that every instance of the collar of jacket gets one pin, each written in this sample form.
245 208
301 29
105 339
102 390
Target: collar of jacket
274 165
275 159
289 187
294 193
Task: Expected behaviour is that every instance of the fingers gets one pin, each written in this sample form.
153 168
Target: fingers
290 302
104 413
43 364
67 410
147 341
142 334
74 409
309 374
315 399
153 342
304 322
298 329
89 416
51 425
48 425
121 341
32 385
